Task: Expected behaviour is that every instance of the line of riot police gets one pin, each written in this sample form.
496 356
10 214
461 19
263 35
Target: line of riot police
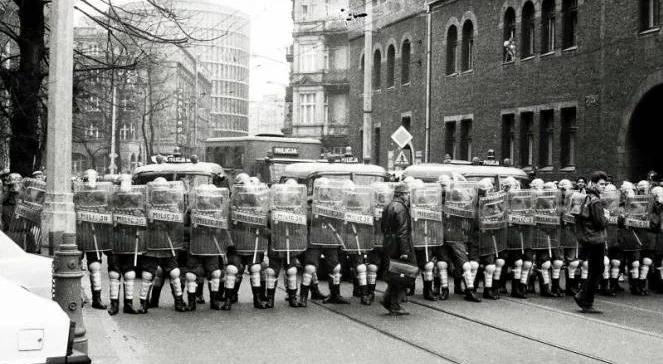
470 231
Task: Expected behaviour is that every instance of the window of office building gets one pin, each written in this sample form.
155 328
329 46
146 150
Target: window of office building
376 146
546 136
307 108
509 36
568 137
468 46
527 34
377 69
570 20
391 61
508 136
452 45
450 138
526 139
466 140
649 14
405 62
548 26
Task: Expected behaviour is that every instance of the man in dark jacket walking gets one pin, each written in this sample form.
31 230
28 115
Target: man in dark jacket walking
591 224
397 229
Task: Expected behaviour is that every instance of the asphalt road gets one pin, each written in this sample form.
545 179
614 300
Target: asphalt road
508 330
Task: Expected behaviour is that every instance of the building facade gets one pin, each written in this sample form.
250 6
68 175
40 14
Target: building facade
319 76
161 104
561 86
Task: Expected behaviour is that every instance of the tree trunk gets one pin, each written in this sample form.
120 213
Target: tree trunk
24 145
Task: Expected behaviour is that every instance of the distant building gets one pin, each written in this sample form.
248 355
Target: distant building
160 105
319 82
267 115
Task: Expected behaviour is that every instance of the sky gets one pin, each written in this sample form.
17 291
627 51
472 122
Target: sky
271 33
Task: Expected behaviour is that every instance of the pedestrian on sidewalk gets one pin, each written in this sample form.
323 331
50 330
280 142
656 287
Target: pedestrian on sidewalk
591 225
397 230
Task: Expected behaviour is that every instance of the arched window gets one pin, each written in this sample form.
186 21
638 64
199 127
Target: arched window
509 36
569 22
649 14
391 61
468 46
452 45
548 26
528 26
377 63
405 62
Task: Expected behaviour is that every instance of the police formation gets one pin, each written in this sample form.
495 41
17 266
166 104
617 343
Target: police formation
469 231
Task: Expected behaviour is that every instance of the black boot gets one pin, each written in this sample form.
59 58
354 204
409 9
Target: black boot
356 289
496 287
571 287
96 301
365 300
502 286
517 289
604 288
235 292
458 288
228 302
428 291
444 293
270 293
316 294
371 293
437 285
292 298
303 296
411 290
263 290
180 306
530 283
544 288
643 287
200 291
471 296
556 290
215 300
614 286
154 296
490 293
114 307
335 295
143 306
191 301
634 286
257 302
129 307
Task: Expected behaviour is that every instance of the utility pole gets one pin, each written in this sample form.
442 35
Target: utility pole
112 168
58 218
368 82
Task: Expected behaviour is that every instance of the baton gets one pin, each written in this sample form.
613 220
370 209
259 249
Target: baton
136 251
497 254
287 244
255 249
338 237
549 246
94 238
216 242
426 238
636 238
522 243
354 230
170 242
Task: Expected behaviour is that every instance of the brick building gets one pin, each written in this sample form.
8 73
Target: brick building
567 86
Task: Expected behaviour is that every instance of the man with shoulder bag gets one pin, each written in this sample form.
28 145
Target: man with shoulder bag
403 270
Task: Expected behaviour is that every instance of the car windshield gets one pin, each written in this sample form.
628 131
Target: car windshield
367 180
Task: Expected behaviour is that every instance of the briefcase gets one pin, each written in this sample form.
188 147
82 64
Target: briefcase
401 272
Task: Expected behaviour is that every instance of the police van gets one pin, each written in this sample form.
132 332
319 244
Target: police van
431 172
190 171
307 173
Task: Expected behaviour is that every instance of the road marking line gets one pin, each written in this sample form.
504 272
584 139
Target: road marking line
630 307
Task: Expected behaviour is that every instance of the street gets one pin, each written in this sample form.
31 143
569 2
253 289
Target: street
507 330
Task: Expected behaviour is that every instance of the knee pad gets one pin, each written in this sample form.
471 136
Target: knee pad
231 270
130 275
527 264
474 265
361 268
429 266
337 269
574 264
635 265
546 265
255 268
518 263
647 261
557 264
489 269
585 265
269 272
606 260
372 268
175 273
442 265
615 263
216 274
114 275
309 269
291 271
94 267
190 277
500 263
146 276
467 266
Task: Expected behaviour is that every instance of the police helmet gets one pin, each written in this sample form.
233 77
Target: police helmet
643 185
549 186
536 184
485 184
565 184
242 179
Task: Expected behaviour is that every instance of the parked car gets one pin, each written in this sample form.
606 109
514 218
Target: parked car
30 271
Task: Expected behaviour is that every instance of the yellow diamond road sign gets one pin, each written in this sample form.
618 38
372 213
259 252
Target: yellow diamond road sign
401 137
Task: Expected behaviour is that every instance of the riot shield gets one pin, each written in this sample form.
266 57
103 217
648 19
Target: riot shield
94 217
547 217
492 223
459 209
383 193
165 216
249 210
25 225
520 218
358 206
129 220
210 207
426 214
611 200
328 214
637 220
568 237
288 218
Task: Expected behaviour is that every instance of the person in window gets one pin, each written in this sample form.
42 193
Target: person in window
509 49
591 225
